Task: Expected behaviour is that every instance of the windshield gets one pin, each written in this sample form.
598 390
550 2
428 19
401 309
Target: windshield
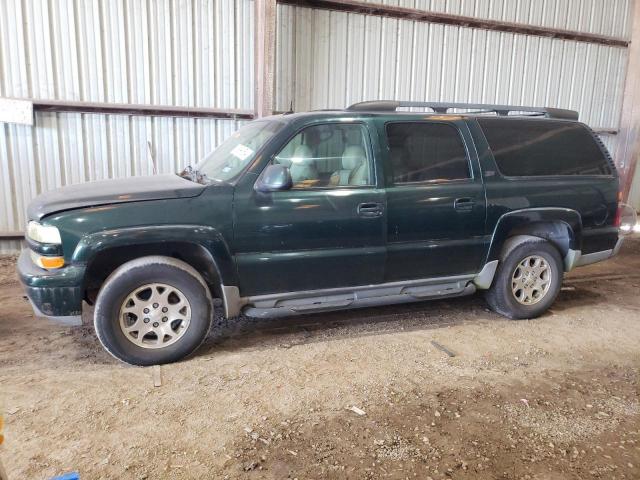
232 156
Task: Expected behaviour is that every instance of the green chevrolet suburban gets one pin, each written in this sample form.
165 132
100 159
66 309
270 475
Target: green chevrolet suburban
378 204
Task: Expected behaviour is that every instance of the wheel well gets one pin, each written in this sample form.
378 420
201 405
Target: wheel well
106 261
558 233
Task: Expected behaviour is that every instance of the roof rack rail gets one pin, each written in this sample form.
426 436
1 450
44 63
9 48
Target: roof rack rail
444 107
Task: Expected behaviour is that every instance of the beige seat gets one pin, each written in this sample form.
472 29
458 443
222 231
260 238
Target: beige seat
354 170
303 167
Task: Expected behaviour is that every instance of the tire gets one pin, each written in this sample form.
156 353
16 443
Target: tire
179 306
511 287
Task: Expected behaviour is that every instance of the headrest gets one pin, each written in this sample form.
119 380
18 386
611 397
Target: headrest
353 135
352 157
301 155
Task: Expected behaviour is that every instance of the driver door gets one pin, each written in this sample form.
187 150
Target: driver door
328 230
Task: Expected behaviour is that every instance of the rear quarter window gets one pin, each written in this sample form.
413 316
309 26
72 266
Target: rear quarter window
530 148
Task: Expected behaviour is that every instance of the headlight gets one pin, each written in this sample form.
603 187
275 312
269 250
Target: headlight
43 233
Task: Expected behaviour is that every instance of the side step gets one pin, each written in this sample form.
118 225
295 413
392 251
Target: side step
280 305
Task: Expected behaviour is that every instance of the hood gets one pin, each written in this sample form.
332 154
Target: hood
93 194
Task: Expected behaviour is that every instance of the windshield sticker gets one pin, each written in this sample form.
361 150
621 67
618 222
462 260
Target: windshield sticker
241 151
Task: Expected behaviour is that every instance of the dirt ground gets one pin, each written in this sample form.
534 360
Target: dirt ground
552 398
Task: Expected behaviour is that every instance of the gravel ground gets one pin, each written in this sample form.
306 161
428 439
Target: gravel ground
359 394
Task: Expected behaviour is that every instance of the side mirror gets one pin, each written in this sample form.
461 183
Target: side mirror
274 178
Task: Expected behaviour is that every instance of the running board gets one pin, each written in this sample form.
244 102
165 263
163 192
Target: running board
280 305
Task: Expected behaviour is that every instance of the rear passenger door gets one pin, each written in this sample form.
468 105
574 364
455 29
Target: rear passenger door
435 200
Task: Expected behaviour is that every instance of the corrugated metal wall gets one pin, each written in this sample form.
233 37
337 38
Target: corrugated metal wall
603 17
195 53
171 52
200 53
332 59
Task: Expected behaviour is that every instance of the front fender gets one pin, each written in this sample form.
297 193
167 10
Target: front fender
207 237
525 221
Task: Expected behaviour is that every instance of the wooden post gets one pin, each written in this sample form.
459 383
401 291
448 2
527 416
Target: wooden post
264 49
628 146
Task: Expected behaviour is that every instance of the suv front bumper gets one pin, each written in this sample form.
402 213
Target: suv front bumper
54 294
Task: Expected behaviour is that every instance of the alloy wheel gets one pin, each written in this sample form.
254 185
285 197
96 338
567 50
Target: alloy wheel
155 315
531 280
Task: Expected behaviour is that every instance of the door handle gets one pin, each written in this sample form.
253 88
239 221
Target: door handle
370 210
464 204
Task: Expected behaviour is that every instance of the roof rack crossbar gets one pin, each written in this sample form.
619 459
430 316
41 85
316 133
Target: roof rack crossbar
444 107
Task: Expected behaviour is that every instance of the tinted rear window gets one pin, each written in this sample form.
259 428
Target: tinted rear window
426 152
524 148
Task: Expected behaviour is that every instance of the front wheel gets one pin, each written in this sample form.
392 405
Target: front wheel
528 278
153 310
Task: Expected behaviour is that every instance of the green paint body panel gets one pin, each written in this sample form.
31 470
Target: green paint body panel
312 239
307 239
426 235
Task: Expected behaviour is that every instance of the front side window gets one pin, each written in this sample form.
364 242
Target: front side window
526 148
426 152
329 155
235 153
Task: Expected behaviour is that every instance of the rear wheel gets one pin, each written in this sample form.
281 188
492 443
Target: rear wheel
528 278
153 310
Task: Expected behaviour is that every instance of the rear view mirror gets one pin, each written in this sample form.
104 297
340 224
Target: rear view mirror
274 178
